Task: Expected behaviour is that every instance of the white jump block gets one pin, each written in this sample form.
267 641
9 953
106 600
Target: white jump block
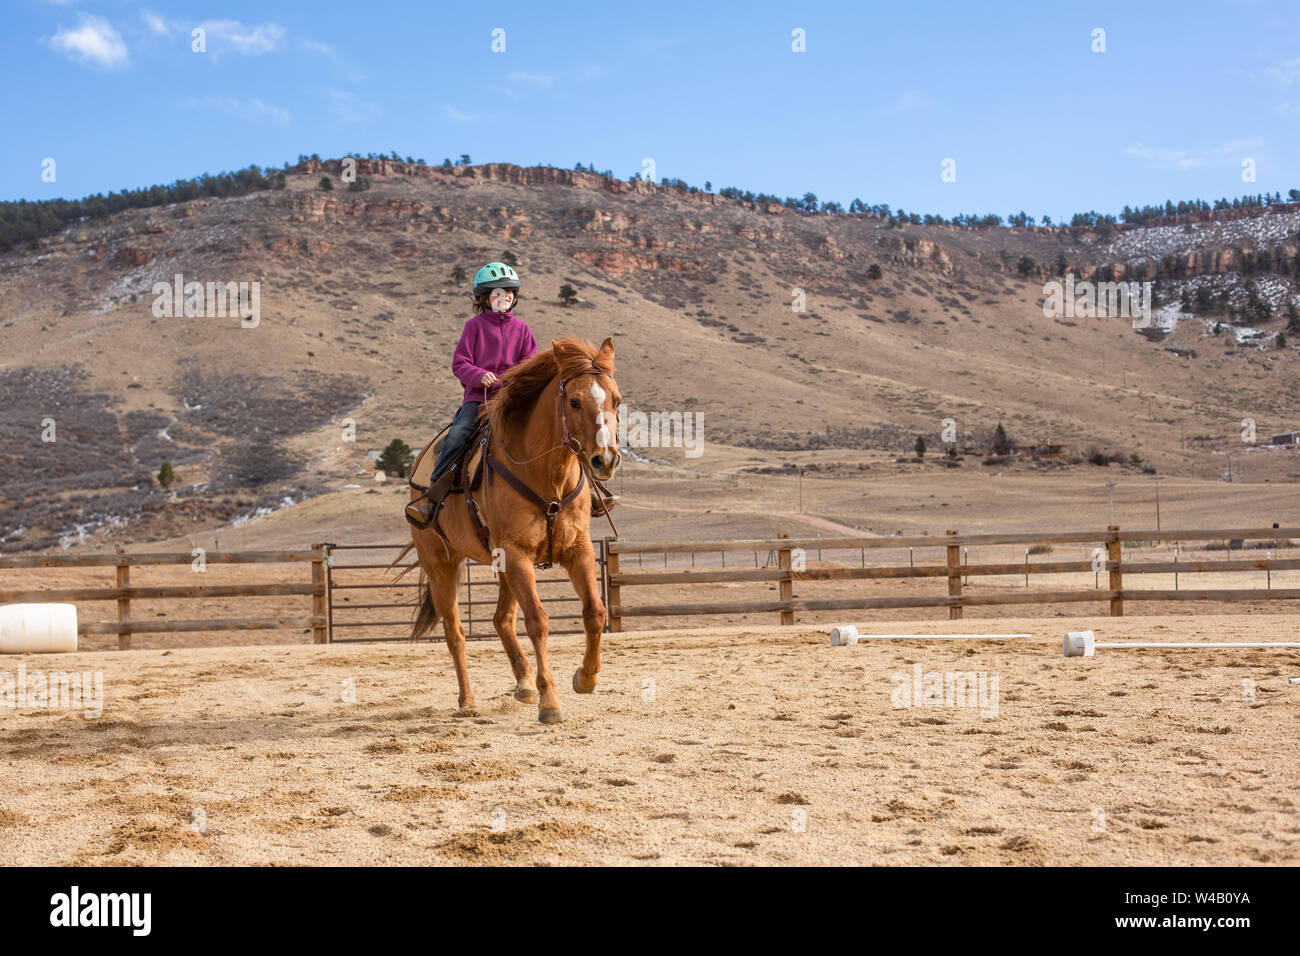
38 628
844 634
1079 644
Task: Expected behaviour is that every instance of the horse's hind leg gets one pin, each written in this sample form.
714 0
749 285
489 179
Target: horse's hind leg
504 621
443 586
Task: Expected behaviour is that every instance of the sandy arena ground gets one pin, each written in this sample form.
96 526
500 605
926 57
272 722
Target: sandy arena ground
751 745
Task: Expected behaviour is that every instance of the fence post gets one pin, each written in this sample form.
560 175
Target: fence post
1114 552
786 584
603 561
329 595
123 603
954 579
318 605
469 602
611 571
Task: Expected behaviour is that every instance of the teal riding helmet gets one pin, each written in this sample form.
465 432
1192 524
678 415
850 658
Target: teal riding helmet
496 275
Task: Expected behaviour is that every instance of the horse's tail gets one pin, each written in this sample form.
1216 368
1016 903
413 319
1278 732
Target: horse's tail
426 615
400 555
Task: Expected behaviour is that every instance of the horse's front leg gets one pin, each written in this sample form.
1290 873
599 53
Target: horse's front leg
582 572
523 583
504 621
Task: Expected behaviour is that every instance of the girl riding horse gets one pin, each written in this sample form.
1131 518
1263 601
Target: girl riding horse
493 340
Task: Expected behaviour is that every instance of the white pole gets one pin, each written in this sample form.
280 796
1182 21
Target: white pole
847 634
1197 644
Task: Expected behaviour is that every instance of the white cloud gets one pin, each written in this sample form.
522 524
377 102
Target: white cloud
459 116
253 109
350 108
324 49
156 24
537 79
1230 153
1285 73
249 40
93 41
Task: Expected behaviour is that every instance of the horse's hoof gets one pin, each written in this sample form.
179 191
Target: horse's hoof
550 715
526 693
580 686
470 711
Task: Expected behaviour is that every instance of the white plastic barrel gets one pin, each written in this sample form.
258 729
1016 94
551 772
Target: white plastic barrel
1079 644
38 628
844 634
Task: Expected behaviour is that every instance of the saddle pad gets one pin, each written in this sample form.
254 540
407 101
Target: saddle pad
422 470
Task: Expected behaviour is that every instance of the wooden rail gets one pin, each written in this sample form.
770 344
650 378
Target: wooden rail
790 554
961 540
123 593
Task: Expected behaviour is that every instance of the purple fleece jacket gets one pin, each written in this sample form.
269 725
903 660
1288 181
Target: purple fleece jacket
492 342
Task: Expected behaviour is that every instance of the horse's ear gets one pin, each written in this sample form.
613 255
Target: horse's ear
606 351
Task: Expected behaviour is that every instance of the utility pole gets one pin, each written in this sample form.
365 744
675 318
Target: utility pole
1110 501
1228 454
1158 479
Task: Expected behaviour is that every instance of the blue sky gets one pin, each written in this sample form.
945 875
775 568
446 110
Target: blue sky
1013 92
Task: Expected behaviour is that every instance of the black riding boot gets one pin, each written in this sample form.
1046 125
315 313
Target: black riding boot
420 512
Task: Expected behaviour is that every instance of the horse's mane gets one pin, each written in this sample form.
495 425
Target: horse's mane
522 384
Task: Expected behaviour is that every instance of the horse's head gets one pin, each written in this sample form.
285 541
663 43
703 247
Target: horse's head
589 403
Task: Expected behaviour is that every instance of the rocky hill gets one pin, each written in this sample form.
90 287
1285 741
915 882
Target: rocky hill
901 327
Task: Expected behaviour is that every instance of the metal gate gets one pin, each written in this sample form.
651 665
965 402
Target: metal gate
373 615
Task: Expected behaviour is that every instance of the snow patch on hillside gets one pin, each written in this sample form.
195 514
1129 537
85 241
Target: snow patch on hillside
1157 242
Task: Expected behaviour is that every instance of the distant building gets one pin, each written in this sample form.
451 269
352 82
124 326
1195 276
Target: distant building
1039 450
1286 438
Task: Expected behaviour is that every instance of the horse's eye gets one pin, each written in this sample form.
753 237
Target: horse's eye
574 403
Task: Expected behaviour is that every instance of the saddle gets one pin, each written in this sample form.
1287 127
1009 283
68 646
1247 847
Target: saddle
463 475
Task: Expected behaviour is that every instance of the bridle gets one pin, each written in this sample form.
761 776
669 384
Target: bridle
551 509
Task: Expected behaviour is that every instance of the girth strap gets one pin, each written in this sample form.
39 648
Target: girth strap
549 508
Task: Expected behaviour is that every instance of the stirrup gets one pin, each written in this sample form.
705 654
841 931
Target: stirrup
415 514
435 495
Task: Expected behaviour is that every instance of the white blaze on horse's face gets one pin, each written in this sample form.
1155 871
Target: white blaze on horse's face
604 437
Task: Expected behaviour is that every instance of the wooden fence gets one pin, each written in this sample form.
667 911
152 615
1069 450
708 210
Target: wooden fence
786 564
123 593
331 607
791 566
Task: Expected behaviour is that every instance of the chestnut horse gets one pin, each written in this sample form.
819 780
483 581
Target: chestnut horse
554 419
